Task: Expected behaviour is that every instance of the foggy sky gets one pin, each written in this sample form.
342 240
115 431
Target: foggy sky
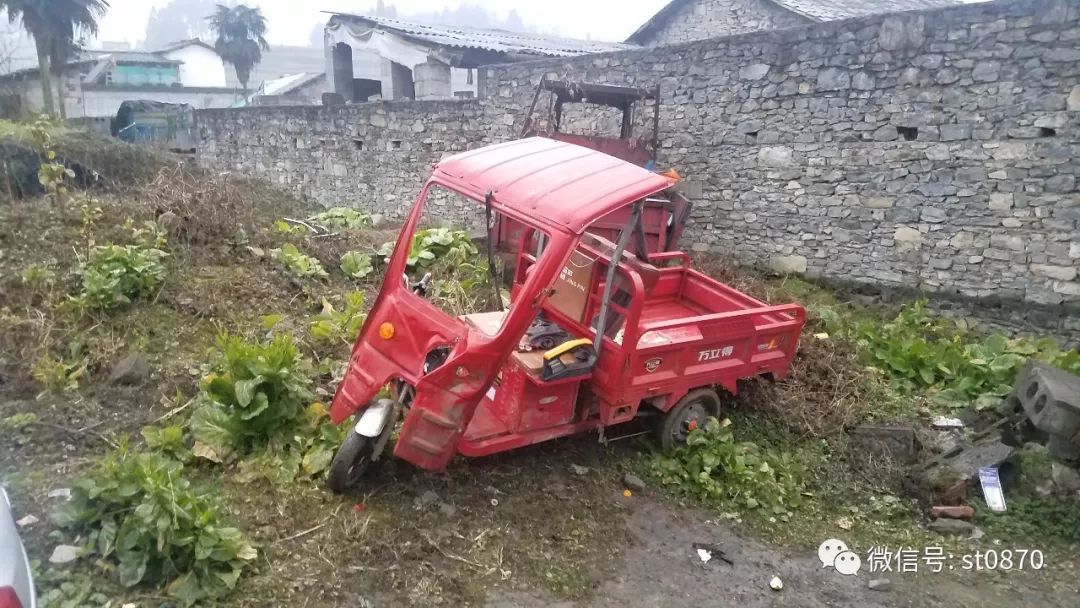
290 21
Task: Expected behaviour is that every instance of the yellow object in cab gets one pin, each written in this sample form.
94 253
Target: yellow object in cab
566 347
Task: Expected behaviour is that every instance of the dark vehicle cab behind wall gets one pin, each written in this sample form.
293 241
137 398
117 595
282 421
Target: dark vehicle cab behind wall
550 186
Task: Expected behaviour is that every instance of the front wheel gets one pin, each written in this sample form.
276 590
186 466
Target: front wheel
352 461
689 413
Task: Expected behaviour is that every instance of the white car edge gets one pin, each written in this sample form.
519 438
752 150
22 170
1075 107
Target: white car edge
16 580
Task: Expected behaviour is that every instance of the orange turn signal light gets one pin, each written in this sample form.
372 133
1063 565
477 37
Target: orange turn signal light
386 330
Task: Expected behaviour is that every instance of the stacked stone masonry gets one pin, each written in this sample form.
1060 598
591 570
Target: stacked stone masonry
702 19
932 150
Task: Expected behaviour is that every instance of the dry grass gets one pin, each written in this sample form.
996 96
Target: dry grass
828 389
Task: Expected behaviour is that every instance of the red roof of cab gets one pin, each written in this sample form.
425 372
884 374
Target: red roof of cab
565 184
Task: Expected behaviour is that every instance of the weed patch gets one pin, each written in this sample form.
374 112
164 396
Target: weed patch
713 466
139 511
257 392
433 244
920 352
116 275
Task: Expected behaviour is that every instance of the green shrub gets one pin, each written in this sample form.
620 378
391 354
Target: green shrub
116 275
139 511
714 466
331 326
56 376
168 440
356 264
434 244
305 453
296 263
257 392
919 352
336 218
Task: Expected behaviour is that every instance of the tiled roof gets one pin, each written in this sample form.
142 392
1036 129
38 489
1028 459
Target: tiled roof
816 10
834 10
500 41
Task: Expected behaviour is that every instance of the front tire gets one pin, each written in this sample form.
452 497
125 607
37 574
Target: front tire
689 413
351 462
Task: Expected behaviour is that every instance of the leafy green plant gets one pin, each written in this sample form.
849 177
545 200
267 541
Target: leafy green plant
464 287
433 244
168 440
297 263
52 174
38 276
68 589
15 422
139 511
921 352
283 227
333 326
116 275
336 218
714 466
305 453
56 376
257 392
356 264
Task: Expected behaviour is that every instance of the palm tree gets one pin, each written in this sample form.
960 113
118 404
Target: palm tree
54 24
240 41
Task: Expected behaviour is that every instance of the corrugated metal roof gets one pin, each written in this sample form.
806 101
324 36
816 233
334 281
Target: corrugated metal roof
834 10
500 41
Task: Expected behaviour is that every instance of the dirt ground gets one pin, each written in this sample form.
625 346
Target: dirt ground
661 570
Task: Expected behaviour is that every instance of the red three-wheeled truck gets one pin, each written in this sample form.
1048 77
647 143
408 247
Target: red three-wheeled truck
605 322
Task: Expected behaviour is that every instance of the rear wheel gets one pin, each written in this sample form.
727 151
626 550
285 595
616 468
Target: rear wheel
690 412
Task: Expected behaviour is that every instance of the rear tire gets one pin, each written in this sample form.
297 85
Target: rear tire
690 412
351 462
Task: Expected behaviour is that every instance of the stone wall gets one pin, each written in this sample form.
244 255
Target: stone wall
936 150
373 156
701 19
933 150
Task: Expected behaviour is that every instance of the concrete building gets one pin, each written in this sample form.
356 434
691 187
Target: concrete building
380 58
97 82
687 20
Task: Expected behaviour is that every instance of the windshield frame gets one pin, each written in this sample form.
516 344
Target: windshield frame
398 262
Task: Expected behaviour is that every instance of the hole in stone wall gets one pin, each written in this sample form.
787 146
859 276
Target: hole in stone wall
395 144
358 143
1047 132
752 135
908 133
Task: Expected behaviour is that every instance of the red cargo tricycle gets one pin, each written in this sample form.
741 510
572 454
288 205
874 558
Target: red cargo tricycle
601 329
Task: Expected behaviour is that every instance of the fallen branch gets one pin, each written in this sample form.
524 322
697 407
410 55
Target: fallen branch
457 558
299 534
71 431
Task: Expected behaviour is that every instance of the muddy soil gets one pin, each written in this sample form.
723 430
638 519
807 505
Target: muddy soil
662 570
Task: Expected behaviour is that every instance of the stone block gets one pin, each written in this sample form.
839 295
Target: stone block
1061 183
1001 200
907 238
962 240
986 71
879 202
775 156
1059 273
788 264
754 71
831 79
1073 101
